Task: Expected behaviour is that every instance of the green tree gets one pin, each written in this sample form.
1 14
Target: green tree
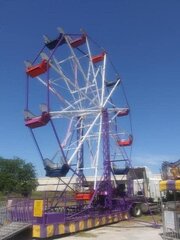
17 176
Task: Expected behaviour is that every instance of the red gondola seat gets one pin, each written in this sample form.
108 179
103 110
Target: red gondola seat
78 42
122 112
39 121
98 58
56 42
125 142
84 196
34 71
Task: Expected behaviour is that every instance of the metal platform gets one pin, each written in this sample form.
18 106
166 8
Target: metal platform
12 229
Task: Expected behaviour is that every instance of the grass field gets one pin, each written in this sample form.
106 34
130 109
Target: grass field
154 218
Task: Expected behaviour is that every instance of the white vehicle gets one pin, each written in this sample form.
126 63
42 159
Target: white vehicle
145 190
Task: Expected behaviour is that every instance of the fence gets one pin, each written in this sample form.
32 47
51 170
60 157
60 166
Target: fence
20 210
3 213
171 221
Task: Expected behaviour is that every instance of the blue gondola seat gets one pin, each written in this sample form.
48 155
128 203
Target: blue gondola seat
51 44
54 169
120 171
112 83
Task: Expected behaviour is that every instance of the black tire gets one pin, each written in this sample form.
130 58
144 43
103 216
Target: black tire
136 210
144 208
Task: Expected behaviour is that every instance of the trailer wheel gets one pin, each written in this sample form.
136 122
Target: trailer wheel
136 210
144 208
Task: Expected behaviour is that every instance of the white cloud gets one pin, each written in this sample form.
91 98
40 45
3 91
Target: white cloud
153 162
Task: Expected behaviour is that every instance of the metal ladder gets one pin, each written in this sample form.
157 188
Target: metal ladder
12 229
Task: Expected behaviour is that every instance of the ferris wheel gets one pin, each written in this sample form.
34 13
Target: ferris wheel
76 109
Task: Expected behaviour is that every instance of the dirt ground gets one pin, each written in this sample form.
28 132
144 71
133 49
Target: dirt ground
128 230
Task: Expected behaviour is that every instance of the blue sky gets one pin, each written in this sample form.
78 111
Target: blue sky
142 38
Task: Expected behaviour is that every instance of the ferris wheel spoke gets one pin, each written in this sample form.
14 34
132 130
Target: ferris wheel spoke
84 138
96 91
92 68
51 89
75 58
70 83
110 94
103 81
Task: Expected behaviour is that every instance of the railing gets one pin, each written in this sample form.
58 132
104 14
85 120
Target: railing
171 220
3 213
20 210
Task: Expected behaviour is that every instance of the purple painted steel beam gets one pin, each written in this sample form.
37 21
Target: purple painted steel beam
106 159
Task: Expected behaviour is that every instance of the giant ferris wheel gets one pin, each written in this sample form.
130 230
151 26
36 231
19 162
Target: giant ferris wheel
77 111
